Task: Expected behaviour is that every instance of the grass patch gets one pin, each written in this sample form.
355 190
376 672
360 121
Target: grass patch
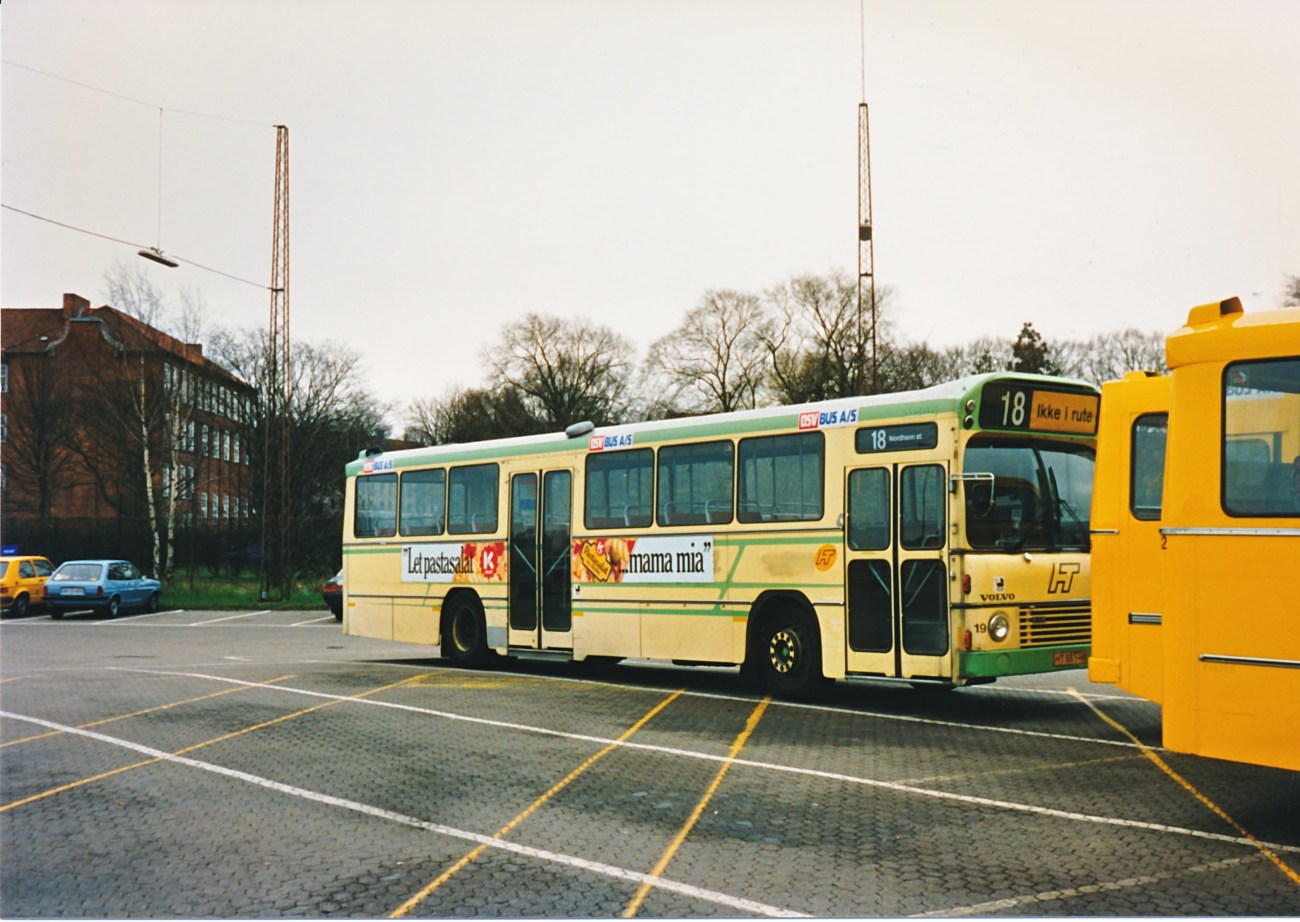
202 590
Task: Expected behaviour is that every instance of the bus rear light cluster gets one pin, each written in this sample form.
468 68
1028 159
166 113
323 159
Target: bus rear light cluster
965 640
965 584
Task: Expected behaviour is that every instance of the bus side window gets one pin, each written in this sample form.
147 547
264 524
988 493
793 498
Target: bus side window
472 499
424 500
781 477
1147 486
695 484
619 489
869 509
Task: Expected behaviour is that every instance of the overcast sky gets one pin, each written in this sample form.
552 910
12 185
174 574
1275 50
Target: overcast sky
1082 164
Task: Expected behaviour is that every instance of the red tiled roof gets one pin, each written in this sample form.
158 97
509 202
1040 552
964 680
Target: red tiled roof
32 329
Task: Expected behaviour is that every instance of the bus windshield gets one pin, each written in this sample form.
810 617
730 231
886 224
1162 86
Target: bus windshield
1038 497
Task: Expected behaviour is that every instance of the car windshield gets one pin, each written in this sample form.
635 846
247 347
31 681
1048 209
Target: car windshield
1038 497
78 571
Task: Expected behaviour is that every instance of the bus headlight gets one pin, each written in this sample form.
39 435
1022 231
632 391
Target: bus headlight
999 627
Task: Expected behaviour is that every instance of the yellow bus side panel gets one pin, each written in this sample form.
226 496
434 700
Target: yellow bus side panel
604 633
370 618
1235 596
416 621
704 638
1127 598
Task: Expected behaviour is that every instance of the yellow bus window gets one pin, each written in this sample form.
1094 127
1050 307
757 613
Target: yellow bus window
1146 492
1261 431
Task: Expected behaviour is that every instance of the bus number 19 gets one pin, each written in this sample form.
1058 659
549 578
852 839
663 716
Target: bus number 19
1013 408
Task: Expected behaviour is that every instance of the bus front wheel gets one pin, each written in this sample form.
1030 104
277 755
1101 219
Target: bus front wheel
464 635
786 656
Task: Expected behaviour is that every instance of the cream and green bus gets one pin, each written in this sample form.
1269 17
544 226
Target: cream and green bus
937 537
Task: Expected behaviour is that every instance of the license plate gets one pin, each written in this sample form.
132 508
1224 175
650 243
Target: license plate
1078 658
74 590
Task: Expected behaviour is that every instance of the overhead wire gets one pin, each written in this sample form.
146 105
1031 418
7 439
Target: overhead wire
140 102
82 230
161 110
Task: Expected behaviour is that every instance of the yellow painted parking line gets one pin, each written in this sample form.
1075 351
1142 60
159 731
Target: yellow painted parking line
644 890
794 770
4 808
428 889
160 707
1191 789
546 856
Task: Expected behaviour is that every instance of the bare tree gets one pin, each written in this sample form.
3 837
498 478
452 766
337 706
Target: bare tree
819 347
468 415
131 291
716 361
566 370
1291 291
41 439
1109 356
333 417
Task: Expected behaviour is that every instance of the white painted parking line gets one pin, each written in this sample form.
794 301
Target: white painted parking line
247 614
129 618
570 861
897 787
314 621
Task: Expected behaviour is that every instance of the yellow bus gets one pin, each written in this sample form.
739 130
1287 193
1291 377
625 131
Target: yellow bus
1196 536
938 536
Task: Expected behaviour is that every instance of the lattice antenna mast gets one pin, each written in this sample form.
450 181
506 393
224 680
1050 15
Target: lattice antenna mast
866 249
277 559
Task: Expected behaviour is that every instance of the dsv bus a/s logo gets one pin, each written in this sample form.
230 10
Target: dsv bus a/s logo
1062 578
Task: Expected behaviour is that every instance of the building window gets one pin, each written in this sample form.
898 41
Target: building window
4 379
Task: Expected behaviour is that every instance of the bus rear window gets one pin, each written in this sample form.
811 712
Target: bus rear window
1261 438
1146 492
376 508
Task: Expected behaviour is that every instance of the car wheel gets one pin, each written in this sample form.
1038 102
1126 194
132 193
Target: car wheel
464 635
19 608
56 614
113 607
338 612
151 606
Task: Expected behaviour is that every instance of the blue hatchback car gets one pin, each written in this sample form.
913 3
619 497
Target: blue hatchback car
106 586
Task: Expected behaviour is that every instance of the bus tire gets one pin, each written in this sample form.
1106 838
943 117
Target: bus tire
464 633
786 654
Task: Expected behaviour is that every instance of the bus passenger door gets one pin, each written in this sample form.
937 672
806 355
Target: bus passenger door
869 570
922 595
541 613
897 580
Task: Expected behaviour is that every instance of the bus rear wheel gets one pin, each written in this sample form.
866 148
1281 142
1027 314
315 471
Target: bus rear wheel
786 656
464 634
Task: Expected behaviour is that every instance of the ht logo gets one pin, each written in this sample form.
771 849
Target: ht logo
1062 578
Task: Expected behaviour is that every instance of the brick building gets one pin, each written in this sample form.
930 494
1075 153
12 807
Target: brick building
92 399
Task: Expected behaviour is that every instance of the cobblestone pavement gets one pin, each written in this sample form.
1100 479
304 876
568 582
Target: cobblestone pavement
262 765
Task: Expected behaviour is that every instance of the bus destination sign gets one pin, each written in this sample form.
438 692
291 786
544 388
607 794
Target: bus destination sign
1026 407
906 437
